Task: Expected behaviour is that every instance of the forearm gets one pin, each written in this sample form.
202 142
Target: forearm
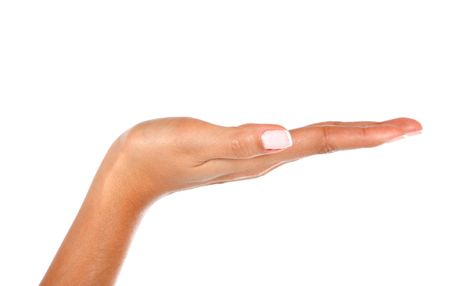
164 155
96 244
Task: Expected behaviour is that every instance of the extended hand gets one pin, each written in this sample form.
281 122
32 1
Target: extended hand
161 156
165 155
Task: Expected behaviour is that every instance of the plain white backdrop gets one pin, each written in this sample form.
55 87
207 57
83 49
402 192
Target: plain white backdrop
76 74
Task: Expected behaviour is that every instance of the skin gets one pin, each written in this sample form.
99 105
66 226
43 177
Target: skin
158 157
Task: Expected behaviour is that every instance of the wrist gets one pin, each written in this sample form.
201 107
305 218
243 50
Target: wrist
119 183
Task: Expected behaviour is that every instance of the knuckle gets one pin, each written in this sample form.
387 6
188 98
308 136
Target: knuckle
326 146
365 136
363 132
241 143
239 148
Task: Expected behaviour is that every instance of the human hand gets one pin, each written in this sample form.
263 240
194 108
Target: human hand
161 156
164 155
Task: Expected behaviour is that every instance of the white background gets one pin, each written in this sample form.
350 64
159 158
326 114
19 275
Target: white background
76 74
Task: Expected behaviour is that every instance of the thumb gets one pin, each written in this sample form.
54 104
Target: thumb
251 140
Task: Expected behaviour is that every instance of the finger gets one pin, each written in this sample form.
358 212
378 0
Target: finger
314 140
251 140
327 139
345 124
248 141
407 124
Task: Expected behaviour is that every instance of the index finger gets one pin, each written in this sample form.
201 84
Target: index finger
312 140
326 139
320 139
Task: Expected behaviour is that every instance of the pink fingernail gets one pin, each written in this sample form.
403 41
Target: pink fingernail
396 139
276 139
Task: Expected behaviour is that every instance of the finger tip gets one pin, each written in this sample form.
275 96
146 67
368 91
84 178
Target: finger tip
385 133
401 127
407 124
412 125
419 126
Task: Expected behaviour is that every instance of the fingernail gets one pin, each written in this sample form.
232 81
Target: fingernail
412 133
276 139
396 139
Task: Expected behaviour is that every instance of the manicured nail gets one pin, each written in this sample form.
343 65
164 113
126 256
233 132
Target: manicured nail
412 133
396 139
276 139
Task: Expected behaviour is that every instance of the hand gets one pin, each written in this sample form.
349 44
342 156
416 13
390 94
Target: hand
161 156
